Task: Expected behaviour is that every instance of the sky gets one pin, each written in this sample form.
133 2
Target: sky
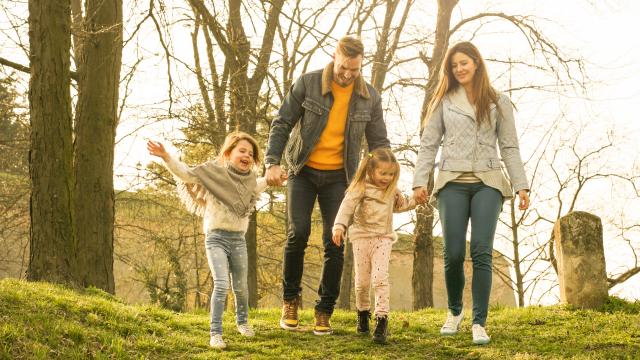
601 32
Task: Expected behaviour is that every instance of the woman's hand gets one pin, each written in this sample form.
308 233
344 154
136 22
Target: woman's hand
421 195
157 149
338 234
523 203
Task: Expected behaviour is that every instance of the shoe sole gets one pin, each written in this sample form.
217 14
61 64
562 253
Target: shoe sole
481 342
287 327
448 333
322 333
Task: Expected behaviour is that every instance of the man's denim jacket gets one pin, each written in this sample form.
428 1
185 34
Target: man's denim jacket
304 113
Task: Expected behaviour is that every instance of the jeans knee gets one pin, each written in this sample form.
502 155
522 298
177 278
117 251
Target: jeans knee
454 259
241 292
220 287
482 261
297 238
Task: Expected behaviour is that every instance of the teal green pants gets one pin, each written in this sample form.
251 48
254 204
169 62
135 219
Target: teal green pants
458 203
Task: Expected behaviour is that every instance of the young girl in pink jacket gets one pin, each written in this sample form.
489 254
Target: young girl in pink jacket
367 211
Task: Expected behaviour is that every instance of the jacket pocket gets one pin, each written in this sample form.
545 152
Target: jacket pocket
313 106
495 164
361 116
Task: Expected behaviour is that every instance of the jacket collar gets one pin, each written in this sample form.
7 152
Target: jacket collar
458 98
360 86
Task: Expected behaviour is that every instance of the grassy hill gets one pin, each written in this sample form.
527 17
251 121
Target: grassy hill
43 321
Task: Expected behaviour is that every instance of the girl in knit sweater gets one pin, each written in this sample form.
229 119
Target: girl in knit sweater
224 193
367 210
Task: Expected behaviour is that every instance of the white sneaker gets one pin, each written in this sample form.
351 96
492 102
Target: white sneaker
452 324
480 336
216 342
246 330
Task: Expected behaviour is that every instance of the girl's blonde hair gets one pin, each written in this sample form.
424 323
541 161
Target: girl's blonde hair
368 167
232 140
483 92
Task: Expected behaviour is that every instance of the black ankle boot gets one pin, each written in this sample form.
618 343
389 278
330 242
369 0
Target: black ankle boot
363 321
381 331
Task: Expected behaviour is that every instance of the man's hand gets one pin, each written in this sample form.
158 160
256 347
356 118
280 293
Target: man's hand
421 195
157 149
523 204
275 176
338 235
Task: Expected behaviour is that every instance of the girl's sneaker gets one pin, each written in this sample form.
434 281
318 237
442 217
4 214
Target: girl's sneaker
216 342
480 336
246 330
452 324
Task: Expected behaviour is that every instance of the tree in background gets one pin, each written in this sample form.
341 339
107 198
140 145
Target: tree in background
14 181
53 242
97 39
72 201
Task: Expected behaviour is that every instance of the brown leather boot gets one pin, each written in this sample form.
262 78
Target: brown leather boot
323 325
289 319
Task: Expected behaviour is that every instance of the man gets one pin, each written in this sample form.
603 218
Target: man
322 121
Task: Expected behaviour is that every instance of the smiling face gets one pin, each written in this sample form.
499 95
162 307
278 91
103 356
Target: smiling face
384 174
346 69
463 68
241 156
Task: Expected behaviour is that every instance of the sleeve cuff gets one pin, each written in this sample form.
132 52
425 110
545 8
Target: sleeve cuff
339 227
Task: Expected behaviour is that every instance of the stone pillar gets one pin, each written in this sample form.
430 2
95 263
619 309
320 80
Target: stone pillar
580 259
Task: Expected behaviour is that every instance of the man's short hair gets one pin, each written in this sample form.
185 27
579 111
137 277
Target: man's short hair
350 46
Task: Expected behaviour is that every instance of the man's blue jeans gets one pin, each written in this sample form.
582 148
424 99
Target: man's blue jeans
328 186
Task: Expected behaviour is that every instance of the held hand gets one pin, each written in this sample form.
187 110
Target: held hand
337 237
421 195
523 203
157 149
274 176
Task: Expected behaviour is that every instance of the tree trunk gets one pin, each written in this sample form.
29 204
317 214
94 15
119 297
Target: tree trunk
252 255
243 90
346 283
422 277
52 238
423 249
95 129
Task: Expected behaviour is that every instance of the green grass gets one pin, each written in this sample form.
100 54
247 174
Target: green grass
43 321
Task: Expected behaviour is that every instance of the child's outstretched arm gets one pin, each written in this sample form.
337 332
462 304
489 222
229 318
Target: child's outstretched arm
157 149
403 203
175 166
345 215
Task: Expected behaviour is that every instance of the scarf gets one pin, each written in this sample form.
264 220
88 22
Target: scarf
231 187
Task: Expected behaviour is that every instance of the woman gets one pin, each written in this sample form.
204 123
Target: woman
468 116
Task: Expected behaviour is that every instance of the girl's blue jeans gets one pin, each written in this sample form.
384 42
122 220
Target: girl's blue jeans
227 256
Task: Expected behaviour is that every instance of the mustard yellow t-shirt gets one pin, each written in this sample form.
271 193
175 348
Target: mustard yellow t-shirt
328 153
